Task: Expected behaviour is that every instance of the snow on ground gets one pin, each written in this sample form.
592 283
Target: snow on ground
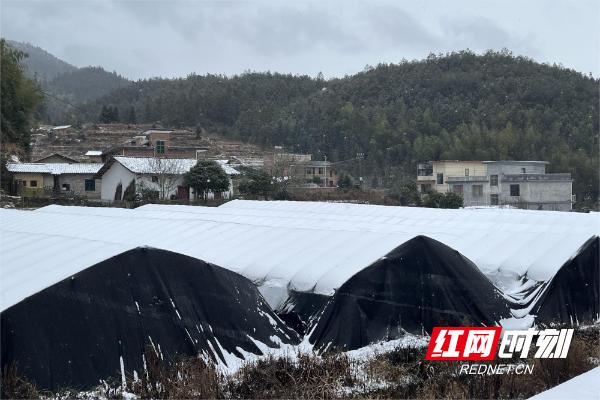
582 387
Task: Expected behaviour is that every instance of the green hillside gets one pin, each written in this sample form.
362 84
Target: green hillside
40 63
493 106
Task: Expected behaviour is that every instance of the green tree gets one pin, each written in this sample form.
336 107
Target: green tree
345 182
131 119
451 200
20 98
206 176
257 183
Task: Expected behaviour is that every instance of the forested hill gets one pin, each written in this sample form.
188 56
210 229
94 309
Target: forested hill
85 84
459 106
40 63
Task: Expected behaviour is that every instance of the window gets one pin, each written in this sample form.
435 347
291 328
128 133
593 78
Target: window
467 172
477 190
515 190
522 170
160 147
90 185
308 171
440 179
493 180
154 179
331 173
320 171
458 189
24 183
66 187
494 199
425 187
33 183
331 183
133 143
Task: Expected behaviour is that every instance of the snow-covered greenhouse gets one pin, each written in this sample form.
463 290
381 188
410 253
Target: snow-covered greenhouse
201 279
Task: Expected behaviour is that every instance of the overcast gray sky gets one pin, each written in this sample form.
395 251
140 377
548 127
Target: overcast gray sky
141 39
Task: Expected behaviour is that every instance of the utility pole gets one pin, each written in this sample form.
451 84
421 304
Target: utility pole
360 156
325 171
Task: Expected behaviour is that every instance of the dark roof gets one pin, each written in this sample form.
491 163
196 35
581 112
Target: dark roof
55 154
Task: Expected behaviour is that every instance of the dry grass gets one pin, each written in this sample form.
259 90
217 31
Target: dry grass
400 373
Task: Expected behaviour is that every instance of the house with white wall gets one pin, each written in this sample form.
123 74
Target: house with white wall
163 176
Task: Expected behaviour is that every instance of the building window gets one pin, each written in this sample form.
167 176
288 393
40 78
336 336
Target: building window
24 183
493 180
160 147
133 143
154 179
308 171
477 190
522 170
331 173
467 172
494 199
33 183
425 187
458 189
320 171
330 183
66 187
515 190
440 179
90 185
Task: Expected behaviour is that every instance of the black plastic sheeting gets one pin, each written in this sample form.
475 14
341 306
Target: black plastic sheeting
301 310
572 295
75 332
416 287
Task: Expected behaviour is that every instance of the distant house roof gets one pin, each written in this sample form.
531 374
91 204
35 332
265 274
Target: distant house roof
151 165
55 168
57 128
516 162
94 153
155 131
68 159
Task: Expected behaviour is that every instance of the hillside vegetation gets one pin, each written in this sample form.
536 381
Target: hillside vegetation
493 106
40 63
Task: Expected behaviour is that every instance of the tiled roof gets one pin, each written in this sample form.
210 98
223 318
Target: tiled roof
55 168
149 165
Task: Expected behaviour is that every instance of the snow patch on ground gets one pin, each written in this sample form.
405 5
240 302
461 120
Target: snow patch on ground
582 387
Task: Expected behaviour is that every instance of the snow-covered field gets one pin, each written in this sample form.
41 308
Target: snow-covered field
583 387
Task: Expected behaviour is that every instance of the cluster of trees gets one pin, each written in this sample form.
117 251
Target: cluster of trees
20 99
461 105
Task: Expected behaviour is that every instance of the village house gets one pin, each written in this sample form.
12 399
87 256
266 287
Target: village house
57 179
301 166
154 143
56 158
94 156
62 129
162 176
522 184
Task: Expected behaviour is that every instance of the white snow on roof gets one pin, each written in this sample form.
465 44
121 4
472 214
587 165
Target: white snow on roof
28 167
78 168
56 168
61 127
582 387
313 251
94 153
177 166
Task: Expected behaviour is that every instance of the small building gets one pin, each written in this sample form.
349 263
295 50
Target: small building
62 129
94 156
162 176
56 158
522 184
322 170
57 179
154 143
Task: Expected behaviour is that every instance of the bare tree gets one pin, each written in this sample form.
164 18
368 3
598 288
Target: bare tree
161 175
